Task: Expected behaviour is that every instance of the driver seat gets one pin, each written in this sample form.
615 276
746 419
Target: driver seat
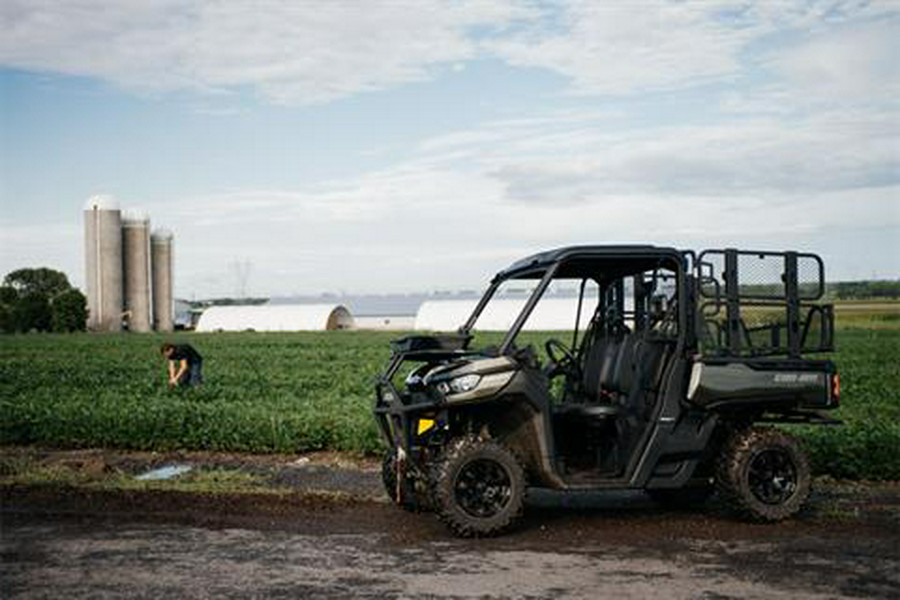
599 361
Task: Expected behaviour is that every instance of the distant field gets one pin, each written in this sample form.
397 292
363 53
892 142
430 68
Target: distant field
863 313
294 392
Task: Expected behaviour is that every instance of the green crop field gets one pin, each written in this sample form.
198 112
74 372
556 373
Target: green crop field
296 392
263 392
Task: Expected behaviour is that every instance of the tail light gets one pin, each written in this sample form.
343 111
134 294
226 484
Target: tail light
836 388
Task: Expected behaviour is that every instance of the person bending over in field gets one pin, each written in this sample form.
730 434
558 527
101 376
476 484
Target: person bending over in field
185 365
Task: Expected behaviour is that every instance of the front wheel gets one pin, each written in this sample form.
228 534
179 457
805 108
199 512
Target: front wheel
411 494
479 488
764 474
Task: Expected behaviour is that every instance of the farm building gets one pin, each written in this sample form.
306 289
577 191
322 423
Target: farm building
384 322
281 317
550 314
185 315
128 269
378 312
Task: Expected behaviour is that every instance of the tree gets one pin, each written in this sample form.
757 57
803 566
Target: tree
69 311
8 299
41 280
32 312
40 300
8 295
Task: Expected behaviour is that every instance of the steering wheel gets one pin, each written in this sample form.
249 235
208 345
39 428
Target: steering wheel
561 360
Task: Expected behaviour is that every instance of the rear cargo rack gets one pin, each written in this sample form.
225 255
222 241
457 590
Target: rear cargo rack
762 304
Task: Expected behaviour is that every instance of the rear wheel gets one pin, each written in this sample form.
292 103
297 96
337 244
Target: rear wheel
479 488
763 474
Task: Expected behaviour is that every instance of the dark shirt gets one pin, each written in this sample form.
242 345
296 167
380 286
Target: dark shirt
186 352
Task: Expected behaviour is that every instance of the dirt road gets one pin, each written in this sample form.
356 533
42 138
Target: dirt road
83 544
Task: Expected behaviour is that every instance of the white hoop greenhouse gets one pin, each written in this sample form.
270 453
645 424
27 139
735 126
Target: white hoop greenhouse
278 317
550 314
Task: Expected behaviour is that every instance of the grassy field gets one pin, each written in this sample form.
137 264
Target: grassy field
308 391
263 392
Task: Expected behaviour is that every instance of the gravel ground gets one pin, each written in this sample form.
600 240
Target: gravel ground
333 535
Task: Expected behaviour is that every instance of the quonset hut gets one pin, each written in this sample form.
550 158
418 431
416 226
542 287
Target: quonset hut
550 314
277 317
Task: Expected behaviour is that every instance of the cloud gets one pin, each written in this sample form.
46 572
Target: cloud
390 230
620 47
856 63
447 223
567 159
792 134
439 223
288 52
830 151
305 53
472 200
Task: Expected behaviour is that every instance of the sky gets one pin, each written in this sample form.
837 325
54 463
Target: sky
389 146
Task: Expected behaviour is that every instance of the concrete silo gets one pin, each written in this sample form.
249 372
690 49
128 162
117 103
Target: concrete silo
103 263
161 258
136 269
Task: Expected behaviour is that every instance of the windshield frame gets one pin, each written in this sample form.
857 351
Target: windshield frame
549 271
603 262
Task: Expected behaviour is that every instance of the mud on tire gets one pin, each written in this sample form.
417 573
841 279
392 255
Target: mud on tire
416 495
479 488
763 474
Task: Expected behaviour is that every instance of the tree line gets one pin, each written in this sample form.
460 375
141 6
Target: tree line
41 299
865 290
841 290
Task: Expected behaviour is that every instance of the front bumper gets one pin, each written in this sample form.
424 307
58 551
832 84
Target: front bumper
404 418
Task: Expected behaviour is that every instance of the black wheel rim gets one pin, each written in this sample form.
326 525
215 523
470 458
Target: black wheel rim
772 476
483 488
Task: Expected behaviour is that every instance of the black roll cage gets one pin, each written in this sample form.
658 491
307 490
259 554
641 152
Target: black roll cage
547 265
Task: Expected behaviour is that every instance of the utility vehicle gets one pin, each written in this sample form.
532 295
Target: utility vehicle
671 363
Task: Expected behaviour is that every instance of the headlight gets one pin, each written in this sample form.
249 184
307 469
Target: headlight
460 385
